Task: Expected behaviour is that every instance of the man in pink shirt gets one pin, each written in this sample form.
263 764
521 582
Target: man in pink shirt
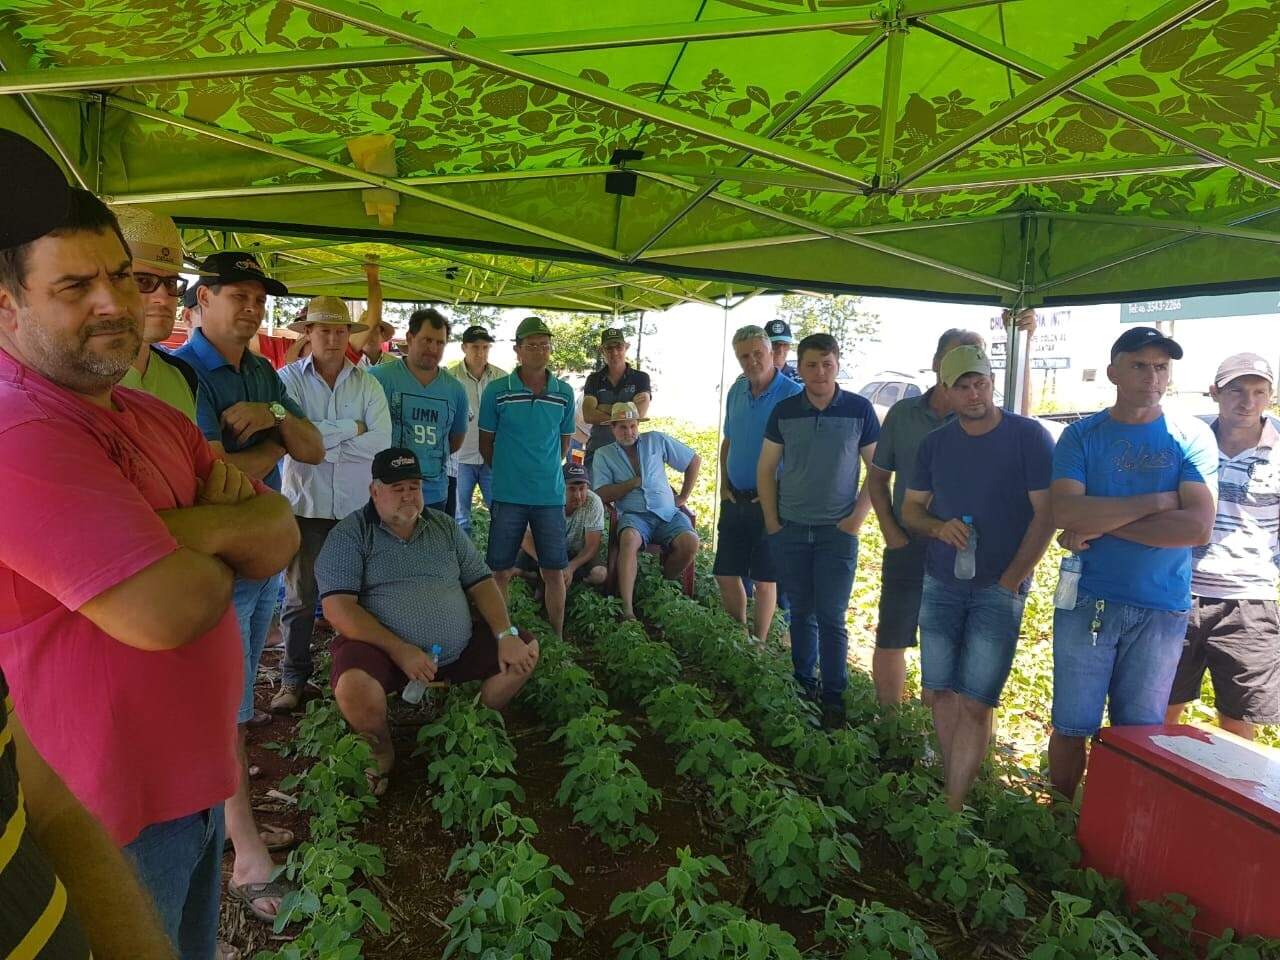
120 536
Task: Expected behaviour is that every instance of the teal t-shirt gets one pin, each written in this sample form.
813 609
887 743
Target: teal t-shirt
526 444
424 419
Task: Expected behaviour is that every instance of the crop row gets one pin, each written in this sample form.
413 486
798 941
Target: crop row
954 856
326 868
514 902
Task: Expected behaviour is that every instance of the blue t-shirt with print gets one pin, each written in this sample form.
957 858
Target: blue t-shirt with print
424 419
1115 459
988 478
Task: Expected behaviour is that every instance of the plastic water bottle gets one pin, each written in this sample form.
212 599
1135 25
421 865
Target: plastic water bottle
1064 598
414 689
967 559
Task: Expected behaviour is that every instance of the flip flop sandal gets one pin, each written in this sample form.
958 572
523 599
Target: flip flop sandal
250 892
227 952
286 840
377 782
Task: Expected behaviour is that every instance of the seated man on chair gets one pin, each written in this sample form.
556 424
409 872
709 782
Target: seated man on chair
583 534
631 472
395 579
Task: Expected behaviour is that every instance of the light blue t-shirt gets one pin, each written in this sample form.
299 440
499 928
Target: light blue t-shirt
1116 459
526 429
424 419
656 451
745 418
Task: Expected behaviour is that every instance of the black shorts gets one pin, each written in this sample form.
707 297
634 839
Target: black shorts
901 586
743 549
1239 642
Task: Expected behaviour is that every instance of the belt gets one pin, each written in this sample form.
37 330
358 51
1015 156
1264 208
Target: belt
745 494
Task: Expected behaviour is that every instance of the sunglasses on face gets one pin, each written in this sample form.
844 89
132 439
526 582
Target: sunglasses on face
149 283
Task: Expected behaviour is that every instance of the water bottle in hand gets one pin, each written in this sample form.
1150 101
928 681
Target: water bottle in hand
1064 598
414 689
967 559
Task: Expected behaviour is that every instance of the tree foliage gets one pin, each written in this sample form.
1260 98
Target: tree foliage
575 338
842 317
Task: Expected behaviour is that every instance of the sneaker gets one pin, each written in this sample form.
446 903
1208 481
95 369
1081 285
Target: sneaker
833 717
287 698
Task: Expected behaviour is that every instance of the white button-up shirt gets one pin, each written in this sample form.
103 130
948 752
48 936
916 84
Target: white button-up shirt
332 489
469 452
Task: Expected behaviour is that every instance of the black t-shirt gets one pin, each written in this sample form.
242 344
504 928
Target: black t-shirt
28 885
633 382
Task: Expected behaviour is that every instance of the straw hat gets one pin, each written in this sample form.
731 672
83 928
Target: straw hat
385 330
625 413
327 310
152 237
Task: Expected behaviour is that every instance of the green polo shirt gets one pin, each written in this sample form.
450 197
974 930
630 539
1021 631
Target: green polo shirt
165 381
527 428
905 426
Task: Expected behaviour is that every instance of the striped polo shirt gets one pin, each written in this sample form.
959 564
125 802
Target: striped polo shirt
1241 559
527 428
35 918
820 455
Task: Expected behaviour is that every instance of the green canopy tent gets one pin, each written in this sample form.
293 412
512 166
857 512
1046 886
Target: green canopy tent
1020 152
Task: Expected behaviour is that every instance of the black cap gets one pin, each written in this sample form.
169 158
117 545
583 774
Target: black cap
477 334
612 335
34 194
396 464
779 331
189 298
230 266
1131 341
575 473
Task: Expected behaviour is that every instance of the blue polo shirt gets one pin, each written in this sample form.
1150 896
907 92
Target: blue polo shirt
745 417
224 386
526 432
1114 459
424 419
820 455
656 451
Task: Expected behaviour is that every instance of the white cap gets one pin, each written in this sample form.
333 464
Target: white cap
153 238
1243 365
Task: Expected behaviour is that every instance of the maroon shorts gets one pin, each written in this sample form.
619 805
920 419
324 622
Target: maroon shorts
479 660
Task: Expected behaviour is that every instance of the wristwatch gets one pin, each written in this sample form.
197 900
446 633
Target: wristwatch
509 632
278 411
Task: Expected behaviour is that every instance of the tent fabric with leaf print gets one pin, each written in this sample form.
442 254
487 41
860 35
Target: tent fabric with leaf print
628 155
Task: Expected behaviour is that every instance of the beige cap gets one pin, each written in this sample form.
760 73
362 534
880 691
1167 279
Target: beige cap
328 310
1243 365
153 238
625 413
961 360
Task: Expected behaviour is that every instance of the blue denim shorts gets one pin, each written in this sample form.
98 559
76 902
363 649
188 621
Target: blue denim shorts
507 524
968 636
653 529
1130 663
255 602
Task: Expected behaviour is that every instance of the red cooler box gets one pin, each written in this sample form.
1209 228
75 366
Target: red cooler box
1189 810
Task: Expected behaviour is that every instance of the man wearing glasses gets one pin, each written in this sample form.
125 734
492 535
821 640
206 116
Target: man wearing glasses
157 258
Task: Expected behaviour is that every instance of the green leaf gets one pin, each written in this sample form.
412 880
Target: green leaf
1133 85
1171 49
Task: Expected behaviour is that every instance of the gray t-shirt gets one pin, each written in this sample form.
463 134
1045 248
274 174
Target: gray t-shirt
588 517
905 426
416 588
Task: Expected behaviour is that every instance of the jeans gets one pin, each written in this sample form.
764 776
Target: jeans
1130 661
470 476
299 617
255 602
179 863
968 636
815 568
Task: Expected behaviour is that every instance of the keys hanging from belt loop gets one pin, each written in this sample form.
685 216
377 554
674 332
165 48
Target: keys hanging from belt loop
1096 625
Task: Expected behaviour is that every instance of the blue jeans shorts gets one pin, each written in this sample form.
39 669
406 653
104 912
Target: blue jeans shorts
255 602
1127 666
653 529
179 863
507 524
968 636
